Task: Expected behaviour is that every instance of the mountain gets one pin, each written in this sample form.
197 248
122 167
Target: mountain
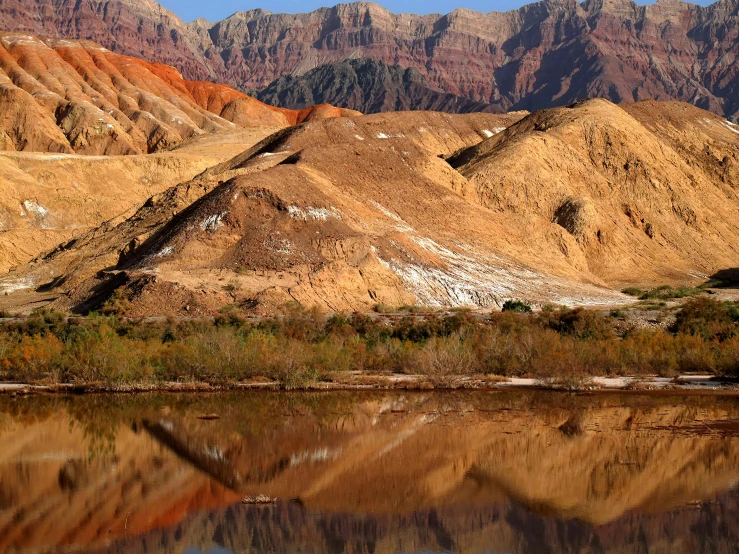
64 96
62 99
369 86
566 205
140 28
544 54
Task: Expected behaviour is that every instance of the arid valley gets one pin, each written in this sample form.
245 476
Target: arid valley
358 281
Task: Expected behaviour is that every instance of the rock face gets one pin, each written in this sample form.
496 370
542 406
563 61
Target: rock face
564 205
369 86
542 55
140 28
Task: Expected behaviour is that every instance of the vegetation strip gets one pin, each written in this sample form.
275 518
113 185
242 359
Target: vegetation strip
558 346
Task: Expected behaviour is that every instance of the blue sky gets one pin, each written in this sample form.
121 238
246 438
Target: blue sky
215 10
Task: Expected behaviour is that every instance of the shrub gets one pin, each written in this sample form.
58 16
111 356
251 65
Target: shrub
708 318
33 357
633 291
581 323
444 361
516 306
666 292
118 304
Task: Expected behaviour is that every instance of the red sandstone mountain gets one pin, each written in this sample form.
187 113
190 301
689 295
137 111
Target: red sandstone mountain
543 54
64 96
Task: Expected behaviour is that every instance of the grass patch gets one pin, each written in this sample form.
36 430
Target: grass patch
404 309
667 292
633 291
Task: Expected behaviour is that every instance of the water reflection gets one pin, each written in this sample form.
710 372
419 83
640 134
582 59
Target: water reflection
372 472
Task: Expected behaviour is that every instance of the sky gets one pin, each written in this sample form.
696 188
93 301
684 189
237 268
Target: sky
215 10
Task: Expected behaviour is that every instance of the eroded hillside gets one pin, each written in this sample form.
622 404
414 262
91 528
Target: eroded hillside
77 97
48 199
565 205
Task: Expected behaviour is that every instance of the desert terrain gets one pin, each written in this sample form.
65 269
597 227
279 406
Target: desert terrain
541 55
568 206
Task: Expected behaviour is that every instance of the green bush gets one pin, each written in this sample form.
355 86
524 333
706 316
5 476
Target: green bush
633 291
301 347
667 292
516 306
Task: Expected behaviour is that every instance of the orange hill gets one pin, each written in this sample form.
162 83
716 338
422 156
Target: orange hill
77 97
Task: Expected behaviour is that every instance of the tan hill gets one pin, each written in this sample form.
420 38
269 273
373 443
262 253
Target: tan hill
48 199
68 98
338 213
544 54
563 206
77 97
647 192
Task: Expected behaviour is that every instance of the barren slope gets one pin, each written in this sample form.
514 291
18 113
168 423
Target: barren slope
65 96
564 206
647 192
50 198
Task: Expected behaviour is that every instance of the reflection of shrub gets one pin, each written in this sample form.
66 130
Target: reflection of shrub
572 382
516 306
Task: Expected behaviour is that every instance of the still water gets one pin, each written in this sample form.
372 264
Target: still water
472 472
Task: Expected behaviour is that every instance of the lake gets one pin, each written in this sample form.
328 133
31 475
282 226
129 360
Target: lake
370 472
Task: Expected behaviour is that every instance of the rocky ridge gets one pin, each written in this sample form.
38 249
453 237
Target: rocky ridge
369 86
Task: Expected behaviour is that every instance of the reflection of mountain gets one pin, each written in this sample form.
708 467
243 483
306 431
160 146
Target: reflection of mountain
374 472
500 527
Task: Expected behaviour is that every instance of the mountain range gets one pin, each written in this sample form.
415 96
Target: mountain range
544 54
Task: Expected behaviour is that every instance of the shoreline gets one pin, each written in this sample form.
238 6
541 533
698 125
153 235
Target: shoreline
683 384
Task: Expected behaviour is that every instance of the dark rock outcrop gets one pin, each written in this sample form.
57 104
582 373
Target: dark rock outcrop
369 86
